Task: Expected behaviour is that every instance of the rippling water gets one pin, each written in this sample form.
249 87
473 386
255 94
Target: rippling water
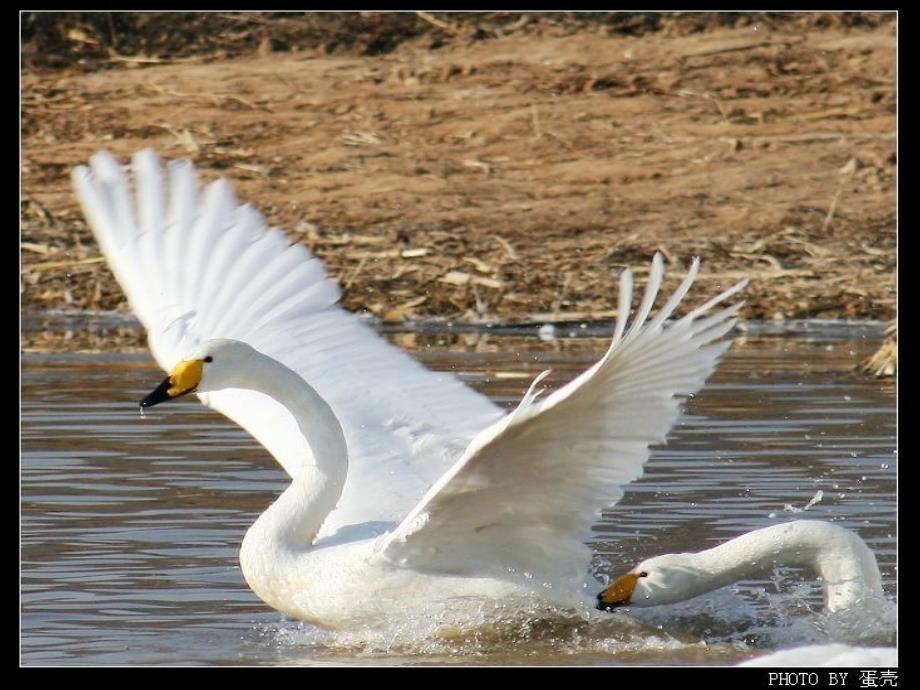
130 526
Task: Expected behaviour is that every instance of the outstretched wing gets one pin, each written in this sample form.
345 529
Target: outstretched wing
526 492
200 267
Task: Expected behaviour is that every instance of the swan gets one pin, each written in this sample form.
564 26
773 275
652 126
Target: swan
855 607
407 489
845 564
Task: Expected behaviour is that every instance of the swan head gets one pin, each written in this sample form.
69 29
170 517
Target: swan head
212 366
660 580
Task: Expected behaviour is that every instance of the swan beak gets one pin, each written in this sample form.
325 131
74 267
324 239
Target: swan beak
619 593
184 378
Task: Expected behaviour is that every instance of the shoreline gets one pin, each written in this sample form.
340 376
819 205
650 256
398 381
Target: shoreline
507 171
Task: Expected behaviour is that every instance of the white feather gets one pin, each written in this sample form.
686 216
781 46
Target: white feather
469 493
217 271
525 493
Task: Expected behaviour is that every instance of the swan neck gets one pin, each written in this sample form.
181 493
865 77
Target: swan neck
318 467
839 557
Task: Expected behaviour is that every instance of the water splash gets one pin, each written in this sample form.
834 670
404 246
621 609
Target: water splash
559 637
723 627
792 509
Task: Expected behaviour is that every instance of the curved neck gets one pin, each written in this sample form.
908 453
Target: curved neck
842 560
317 465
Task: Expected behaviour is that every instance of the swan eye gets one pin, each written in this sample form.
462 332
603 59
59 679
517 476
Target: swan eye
209 358
643 574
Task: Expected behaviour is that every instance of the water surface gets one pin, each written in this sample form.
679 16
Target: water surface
131 527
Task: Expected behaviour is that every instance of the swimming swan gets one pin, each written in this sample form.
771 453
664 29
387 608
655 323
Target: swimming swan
846 566
407 487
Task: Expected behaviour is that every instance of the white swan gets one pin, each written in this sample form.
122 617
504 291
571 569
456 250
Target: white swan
855 605
407 487
846 566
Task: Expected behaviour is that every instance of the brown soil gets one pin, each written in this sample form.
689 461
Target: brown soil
490 167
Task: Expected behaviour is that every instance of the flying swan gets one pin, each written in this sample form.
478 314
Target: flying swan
407 487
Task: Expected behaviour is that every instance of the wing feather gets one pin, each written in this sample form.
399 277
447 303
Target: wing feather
648 299
213 217
524 495
200 266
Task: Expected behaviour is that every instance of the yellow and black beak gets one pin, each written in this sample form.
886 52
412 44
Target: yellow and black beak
619 593
184 378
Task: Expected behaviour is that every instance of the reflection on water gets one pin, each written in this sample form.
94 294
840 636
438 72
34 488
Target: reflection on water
130 526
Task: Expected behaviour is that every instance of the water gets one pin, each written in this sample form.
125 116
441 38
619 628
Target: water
131 527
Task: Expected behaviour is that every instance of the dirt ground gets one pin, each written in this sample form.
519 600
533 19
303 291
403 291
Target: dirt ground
494 167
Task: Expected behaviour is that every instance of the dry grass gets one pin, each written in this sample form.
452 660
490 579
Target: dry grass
500 169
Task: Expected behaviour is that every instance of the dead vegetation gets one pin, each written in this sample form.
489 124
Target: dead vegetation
884 361
494 167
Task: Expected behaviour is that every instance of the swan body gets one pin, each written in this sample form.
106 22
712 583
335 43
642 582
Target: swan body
845 564
408 489
281 558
